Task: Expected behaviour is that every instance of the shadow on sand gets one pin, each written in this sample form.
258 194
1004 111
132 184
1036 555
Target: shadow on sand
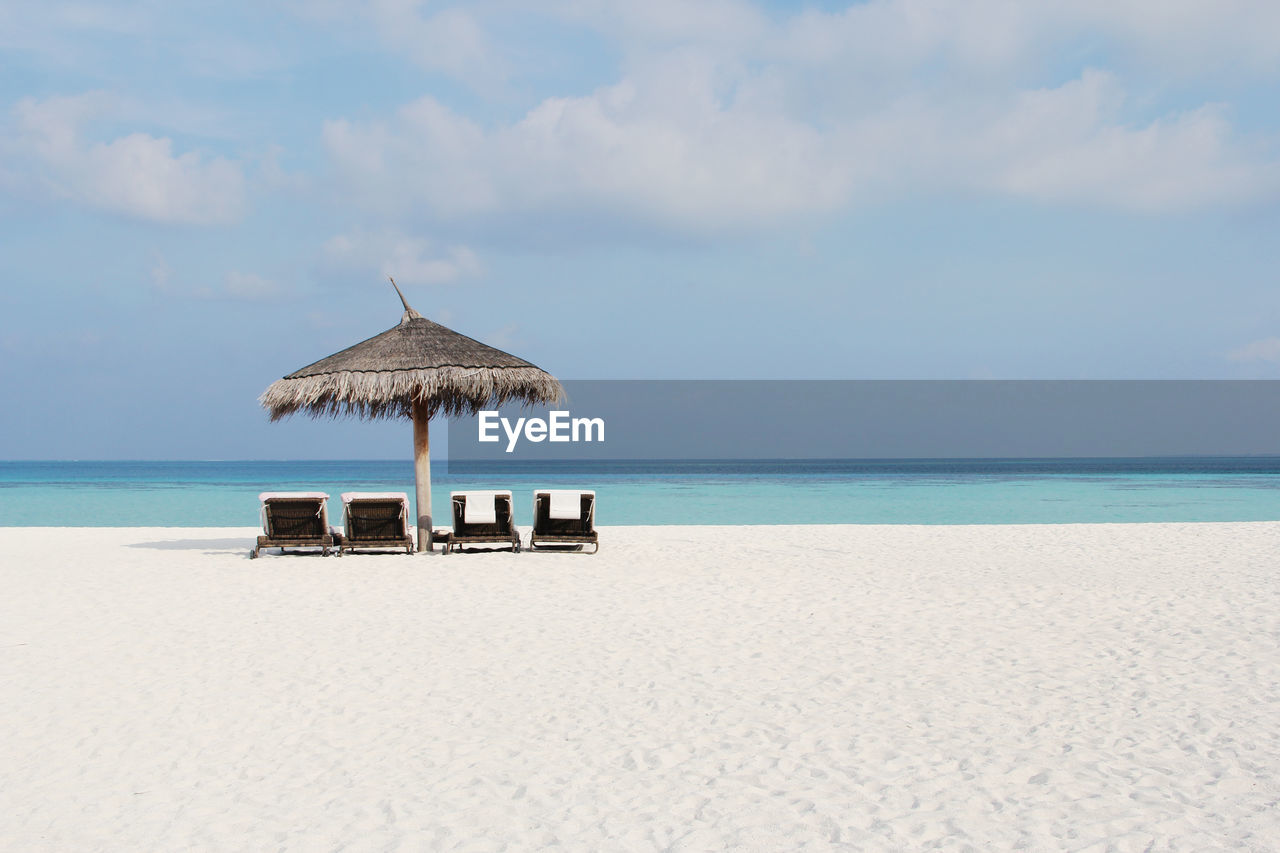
208 546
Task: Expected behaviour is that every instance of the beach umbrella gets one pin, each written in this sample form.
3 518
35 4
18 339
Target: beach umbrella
416 370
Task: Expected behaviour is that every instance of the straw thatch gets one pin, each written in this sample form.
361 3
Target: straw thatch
417 361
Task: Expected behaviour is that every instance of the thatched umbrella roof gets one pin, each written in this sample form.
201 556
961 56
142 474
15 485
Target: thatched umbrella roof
416 370
417 361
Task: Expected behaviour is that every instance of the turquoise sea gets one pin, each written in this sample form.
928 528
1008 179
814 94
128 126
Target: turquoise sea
935 491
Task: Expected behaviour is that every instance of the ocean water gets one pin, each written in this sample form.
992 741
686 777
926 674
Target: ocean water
946 491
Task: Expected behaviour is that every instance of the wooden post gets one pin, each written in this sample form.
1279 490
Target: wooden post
422 472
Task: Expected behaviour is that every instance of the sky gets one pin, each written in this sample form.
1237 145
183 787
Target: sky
198 198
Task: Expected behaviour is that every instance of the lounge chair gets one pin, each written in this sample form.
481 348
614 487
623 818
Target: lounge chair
564 520
294 520
482 518
375 520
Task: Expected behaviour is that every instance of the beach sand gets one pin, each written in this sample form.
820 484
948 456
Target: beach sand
1073 687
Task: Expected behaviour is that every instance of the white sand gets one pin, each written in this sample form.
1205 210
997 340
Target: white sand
1081 687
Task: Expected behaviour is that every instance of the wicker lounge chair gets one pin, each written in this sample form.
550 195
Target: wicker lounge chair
375 521
564 520
482 518
294 520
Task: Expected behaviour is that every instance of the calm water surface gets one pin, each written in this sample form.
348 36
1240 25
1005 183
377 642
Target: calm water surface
947 491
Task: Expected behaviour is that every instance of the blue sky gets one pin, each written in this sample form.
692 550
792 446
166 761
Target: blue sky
198 198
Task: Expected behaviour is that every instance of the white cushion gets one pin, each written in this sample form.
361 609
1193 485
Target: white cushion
480 507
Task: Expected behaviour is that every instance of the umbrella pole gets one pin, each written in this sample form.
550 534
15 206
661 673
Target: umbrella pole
422 472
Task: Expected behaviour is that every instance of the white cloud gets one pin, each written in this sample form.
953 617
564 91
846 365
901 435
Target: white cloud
450 40
693 145
725 22
409 260
235 285
665 151
1180 36
898 34
1181 161
1265 350
273 174
1072 144
1187 36
135 174
88 36
724 115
